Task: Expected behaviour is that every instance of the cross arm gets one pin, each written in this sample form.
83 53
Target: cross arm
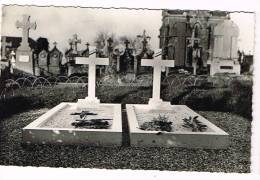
157 62
18 24
33 25
96 61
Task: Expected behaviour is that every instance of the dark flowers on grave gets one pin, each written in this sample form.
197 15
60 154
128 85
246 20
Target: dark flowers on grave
194 123
84 122
161 123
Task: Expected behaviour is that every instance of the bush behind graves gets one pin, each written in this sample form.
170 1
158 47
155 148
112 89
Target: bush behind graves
242 92
213 99
237 98
16 104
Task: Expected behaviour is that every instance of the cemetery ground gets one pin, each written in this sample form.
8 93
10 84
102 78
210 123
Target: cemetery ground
227 105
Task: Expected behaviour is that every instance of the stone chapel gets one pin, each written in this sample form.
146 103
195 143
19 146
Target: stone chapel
185 35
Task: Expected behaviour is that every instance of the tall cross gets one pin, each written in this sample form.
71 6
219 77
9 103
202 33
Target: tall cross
145 37
26 26
4 44
158 66
92 62
74 41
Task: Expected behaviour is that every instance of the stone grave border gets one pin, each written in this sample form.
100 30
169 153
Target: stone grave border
33 133
218 139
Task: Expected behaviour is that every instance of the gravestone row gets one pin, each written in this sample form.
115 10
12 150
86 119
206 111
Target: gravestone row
37 132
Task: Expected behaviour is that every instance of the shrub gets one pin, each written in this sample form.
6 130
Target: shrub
16 104
242 91
212 99
237 98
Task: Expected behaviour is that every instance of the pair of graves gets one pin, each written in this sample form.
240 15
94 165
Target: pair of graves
157 123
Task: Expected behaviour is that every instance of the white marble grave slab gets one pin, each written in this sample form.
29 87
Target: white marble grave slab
212 138
43 131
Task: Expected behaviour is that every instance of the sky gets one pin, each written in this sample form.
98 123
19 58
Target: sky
59 24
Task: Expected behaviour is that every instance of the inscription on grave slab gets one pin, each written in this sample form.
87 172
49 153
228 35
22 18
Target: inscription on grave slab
24 58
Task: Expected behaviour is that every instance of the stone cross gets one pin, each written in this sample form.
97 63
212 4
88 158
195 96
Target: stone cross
91 99
4 44
26 26
126 43
158 66
110 42
145 37
87 45
74 41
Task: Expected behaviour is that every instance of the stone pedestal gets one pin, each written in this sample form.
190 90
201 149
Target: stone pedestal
24 60
224 66
158 103
88 103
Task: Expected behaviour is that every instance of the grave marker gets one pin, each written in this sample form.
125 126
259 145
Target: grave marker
4 45
225 49
195 51
25 25
91 100
158 66
24 53
74 41
55 59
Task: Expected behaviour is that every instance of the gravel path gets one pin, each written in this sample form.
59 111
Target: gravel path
234 159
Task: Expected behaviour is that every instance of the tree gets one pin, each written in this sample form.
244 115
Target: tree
42 44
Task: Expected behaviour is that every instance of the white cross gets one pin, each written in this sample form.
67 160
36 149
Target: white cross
92 62
158 66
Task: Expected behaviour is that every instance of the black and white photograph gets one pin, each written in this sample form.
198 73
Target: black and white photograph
122 88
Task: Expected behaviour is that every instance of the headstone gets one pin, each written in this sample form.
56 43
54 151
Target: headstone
117 52
43 62
225 49
111 69
4 44
74 41
24 57
91 100
142 51
55 60
127 60
158 66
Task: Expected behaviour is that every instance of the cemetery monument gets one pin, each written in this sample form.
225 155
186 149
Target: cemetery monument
24 59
